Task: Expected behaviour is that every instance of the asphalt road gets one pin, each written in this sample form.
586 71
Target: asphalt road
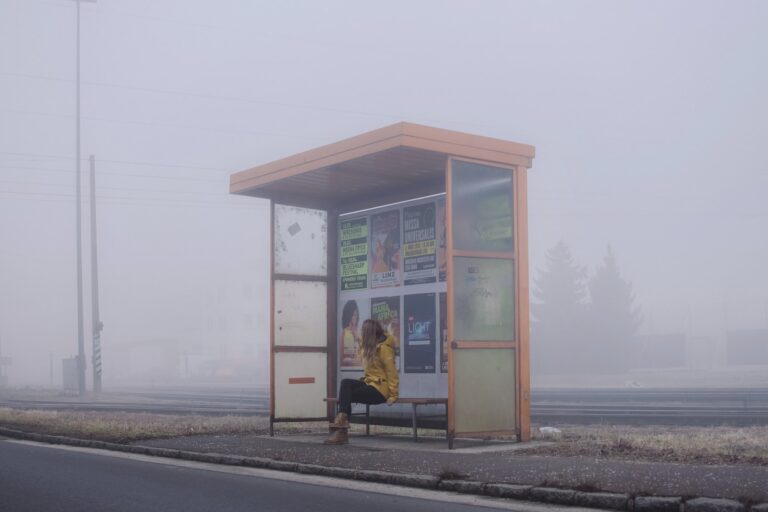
36 477
700 407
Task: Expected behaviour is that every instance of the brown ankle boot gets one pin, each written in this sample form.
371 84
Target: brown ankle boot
341 421
339 436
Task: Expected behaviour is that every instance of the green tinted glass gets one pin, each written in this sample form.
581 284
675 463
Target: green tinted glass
482 207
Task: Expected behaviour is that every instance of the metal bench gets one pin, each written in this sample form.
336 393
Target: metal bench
415 402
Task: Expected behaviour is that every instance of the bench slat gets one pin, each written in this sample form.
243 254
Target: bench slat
406 400
414 403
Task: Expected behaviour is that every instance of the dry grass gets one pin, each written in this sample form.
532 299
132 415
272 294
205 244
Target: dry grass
702 445
124 427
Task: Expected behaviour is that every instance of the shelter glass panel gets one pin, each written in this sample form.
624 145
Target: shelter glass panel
485 390
482 207
300 384
300 313
484 302
301 241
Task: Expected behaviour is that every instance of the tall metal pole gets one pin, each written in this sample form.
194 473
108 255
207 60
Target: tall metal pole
78 199
96 321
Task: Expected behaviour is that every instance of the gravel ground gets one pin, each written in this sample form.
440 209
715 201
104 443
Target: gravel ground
746 483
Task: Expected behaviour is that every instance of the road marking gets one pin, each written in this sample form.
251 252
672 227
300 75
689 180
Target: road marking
322 481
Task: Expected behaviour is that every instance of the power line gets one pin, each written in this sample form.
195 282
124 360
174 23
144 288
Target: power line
190 202
129 175
142 204
241 99
121 189
127 162
161 125
209 96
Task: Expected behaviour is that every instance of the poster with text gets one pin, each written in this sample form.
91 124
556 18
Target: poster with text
442 258
385 249
443 332
419 343
387 311
353 240
419 245
352 314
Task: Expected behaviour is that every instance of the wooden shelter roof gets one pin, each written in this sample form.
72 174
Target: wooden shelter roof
403 159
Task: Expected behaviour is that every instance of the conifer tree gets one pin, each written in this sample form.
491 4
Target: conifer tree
559 311
613 317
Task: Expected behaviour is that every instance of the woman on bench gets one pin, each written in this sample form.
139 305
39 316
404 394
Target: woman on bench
379 384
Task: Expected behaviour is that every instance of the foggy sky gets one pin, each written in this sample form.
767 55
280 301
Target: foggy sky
649 121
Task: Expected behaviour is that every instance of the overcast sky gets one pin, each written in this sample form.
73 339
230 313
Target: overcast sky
649 118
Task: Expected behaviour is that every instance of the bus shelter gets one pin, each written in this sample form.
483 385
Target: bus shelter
424 229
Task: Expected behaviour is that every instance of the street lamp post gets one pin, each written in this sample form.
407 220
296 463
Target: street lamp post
78 215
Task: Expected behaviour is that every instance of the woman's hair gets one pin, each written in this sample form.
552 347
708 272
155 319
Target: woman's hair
348 312
372 334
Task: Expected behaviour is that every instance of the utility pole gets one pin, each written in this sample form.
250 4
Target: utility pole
4 363
96 321
78 216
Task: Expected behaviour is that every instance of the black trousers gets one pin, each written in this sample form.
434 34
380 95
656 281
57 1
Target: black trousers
355 391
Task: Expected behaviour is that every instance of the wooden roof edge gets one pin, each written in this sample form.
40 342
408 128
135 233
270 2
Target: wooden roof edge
333 153
469 139
319 153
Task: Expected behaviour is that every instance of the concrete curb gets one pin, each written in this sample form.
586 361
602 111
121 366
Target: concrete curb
552 495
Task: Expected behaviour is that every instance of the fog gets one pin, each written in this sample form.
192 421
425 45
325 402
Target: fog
650 121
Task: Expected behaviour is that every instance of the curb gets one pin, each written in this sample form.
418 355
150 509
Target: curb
552 495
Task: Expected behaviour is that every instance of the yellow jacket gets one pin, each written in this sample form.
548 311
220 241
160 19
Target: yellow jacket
381 373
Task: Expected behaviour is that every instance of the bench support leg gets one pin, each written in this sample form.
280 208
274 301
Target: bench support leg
413 420
367 420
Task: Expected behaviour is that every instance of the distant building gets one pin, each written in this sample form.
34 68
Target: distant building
747 346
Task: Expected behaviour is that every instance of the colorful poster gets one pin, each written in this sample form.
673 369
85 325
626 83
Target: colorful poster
387 311
482 208
419 245
419 347
443 332
353 240
442 241
385 249
349 342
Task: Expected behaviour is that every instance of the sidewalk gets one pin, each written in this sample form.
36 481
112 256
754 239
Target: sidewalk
490 462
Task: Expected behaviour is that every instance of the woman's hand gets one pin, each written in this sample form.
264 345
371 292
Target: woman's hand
391 400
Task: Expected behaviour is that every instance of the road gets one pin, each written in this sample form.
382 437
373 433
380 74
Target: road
38 477
700 407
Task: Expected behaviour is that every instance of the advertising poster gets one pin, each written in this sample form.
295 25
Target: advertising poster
420 343
493 221
443 332
385 249
482 208
353 252
419 244
350 326
387 311
442 241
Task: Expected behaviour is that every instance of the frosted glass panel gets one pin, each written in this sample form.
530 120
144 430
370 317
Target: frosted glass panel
482 207
300 313
485 390
484 299
301 241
